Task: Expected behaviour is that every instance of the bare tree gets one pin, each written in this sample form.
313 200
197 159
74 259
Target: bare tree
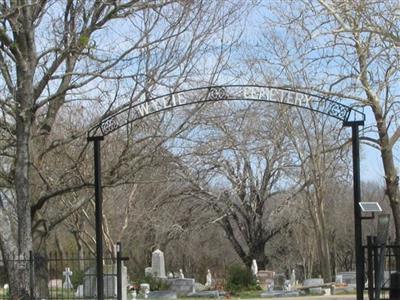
346 50
243 172
57 53
321 154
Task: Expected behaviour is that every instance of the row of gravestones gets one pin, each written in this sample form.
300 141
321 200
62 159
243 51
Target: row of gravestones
270 281
181 285
89 287
177 282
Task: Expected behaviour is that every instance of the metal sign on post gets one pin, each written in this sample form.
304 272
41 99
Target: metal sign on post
370 207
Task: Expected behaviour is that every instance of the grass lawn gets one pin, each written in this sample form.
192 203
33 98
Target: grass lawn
248 294
3 293
61 293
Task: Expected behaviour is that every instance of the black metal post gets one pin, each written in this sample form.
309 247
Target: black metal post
376 268
357 210
119 272
98 213
370 270
31 274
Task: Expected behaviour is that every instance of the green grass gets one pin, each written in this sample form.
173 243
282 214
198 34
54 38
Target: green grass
3 293
61 293
249 294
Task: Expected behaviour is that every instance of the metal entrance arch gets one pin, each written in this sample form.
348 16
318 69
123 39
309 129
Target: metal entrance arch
349 116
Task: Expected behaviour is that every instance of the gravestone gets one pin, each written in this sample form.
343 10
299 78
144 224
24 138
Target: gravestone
339 279
109 282
279 282
158 264
208 278
144 289
348 277
182 286
293 278
265 278
79 291
181 275
312 283
254 268
90 283
67 282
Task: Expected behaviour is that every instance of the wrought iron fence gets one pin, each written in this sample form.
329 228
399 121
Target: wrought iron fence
63 276
383 270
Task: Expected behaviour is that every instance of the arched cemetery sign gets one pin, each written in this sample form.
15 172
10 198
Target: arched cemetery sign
279 95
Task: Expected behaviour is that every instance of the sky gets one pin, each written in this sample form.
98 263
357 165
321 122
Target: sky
371 162
371 166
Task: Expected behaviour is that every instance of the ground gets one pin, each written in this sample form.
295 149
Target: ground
333 297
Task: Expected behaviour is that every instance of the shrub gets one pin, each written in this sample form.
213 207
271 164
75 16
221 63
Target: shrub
77 278
240 279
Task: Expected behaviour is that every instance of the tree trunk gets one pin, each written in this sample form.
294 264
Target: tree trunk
257 252
325 259
19 277
333 256
391 178
40 256
79 246
385 143
23 208
325 251
24 37
41 288
318 219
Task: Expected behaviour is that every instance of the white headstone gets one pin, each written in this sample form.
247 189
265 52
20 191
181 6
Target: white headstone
313 282
254 268
208 278
287 286
6 286
181 275
270 286
293 278
145 289
67 282
148 271
170 275
79 291
339 279
158 264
